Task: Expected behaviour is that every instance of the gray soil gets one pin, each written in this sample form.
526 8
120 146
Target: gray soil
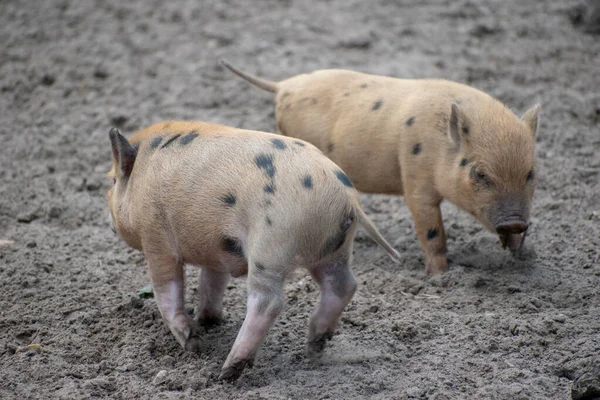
492 327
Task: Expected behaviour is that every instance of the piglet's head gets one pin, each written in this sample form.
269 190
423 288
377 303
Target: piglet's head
496 168
124 155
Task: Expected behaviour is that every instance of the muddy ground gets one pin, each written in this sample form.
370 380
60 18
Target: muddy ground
492 327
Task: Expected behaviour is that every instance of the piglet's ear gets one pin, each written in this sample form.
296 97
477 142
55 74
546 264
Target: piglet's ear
123 153
531 117
453 128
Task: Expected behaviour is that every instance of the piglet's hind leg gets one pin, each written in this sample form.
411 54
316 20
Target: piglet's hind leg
167 279
212 288
265 301
337 288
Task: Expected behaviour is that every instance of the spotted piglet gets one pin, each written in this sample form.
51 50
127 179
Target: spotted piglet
427 139
236 202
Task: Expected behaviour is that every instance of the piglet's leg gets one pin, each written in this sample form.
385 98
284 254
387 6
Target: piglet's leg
337 288
167 279
212 287
430 230
265 301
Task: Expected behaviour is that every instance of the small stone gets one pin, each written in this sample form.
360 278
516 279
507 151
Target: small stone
561 318
357 42
26 217
48 80
373 309
54 212
167 361
31 244
101 72
160 378
118 120
93 186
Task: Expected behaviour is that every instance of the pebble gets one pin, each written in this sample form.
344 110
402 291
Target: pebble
160 378
26 217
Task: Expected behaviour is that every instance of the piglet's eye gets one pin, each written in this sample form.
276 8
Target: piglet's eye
479 176
114 180
530 176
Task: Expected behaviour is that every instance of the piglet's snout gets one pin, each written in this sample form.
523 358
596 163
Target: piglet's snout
509 227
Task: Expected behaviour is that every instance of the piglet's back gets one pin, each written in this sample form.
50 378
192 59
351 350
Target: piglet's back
207 176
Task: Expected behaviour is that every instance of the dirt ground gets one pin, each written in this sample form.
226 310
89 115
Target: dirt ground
491 328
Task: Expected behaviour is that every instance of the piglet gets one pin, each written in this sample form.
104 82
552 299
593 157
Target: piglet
236 202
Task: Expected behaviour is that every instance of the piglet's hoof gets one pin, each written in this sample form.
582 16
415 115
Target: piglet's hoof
234 371
317 345
436 265
192 344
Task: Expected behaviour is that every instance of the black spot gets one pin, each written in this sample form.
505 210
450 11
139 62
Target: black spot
364 86
330 147
269 188
432 233
465 129
232 246
377 105
410 121
259 266
156 142
344 178
188 138
269 222
530 175
278 143
265 161
416 149
168 142
299 144
464 162
307 182
229 199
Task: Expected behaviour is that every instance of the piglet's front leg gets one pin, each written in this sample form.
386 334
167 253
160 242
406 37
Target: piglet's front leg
430 230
